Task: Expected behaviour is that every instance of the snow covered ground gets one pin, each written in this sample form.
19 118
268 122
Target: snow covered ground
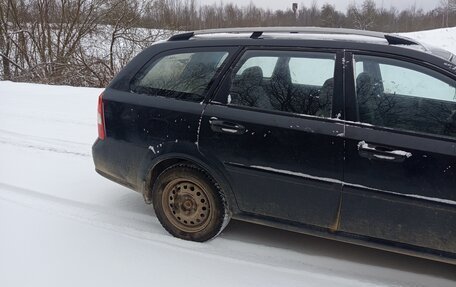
444 38
61 224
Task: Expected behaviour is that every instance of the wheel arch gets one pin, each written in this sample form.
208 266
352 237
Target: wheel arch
159 164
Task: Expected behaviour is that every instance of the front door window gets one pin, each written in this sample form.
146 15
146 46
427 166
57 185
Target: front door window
401 95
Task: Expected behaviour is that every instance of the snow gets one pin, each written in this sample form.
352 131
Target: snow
299 174
383 157
330 180
443 38
64 225
61 224
365 146
303 35
402 153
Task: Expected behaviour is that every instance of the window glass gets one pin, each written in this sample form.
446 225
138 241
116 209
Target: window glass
403 95
295 82
311 71
403 81
358 68
267 65
185 76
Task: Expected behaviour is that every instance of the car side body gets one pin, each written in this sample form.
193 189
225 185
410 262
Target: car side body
372 173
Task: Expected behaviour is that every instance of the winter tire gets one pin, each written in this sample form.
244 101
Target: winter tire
189 203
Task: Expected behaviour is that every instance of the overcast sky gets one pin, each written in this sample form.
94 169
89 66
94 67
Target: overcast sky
340 4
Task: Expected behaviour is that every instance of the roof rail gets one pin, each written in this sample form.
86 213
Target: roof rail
257 32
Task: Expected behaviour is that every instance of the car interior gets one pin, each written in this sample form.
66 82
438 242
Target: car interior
377 107
277 92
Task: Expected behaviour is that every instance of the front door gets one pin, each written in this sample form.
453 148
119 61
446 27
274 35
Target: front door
400 169
274 126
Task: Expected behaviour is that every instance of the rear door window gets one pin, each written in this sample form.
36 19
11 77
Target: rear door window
185 76
267 65
288 81
311 71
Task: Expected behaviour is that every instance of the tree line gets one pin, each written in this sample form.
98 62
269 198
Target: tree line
186 15
86 42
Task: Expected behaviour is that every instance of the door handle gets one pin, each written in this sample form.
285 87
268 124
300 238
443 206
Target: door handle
370 151
227 127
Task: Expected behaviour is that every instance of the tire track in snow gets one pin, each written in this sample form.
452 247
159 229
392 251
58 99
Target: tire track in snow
148 228
39 117
45 144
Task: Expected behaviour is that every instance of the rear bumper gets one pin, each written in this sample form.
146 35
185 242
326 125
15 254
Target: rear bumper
115 179
117 161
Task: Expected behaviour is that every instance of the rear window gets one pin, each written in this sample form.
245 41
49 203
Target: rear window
184 76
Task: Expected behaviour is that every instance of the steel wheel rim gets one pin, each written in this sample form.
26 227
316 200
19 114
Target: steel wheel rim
186 205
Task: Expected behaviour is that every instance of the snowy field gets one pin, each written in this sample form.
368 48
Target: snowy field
444 38
61 224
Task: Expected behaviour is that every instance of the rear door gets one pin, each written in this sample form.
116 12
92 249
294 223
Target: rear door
400 168
273 125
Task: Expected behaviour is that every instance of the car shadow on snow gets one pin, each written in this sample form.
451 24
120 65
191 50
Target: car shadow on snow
316 246
331 250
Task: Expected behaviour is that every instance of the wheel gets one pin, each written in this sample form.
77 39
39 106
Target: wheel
189 203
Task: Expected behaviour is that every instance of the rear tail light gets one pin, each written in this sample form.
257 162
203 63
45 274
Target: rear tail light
100 116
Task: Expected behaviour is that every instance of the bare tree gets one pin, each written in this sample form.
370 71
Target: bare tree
86 42
447 7
328 16
364 17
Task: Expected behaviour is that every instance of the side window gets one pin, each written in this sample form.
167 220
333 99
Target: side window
295 82
184 76
359 68
414 83
267 65
397 94
311 71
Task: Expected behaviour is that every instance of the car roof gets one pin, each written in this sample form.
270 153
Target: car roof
321 37
297 33
313 36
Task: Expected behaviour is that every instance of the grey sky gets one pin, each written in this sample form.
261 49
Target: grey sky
340 4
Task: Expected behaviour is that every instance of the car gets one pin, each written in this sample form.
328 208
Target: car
337 133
